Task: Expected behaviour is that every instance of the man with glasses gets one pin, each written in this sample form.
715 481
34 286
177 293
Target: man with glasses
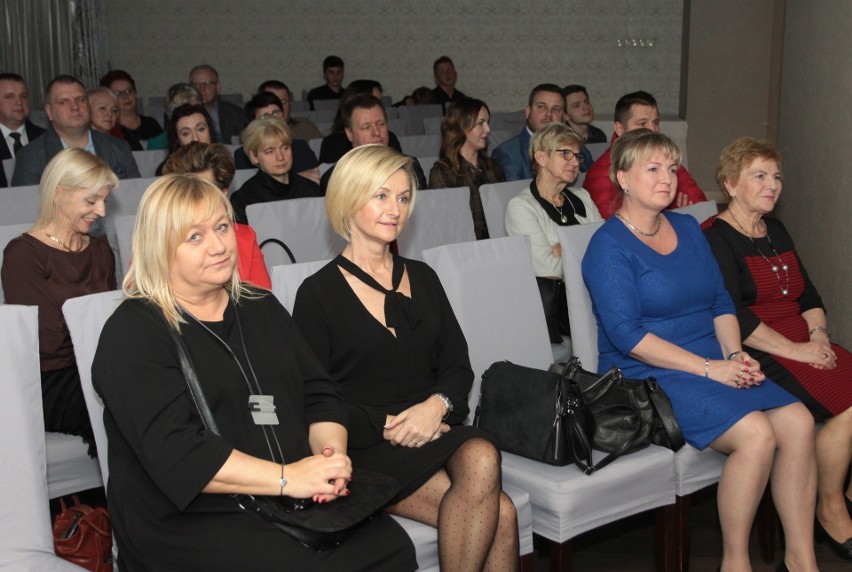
546 104
15 126
300 127
228 119
637 110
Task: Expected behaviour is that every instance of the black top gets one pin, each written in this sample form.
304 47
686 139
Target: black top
415 166
442 97
596 135
323 92
262 188
381 374
160 456
336 145
148 128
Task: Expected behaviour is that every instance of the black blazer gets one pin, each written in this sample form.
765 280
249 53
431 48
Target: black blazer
33 131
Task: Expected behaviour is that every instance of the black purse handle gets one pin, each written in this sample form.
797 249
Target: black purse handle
663 407
282 245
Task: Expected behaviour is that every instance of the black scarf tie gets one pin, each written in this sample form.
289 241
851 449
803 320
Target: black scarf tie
399 309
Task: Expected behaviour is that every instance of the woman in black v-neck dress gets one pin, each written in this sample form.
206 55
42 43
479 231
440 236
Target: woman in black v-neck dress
383 328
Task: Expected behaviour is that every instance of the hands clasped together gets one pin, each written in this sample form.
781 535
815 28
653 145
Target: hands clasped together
817 353
322 477
741 371
417 425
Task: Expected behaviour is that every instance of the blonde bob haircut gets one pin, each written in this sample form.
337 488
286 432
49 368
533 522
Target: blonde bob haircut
636 146
552 137
263 130
356 178
739 155
71 169
168 209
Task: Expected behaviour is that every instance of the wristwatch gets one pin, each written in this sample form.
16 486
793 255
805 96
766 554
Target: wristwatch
448 403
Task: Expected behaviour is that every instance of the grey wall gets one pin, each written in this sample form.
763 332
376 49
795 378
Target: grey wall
501 48
816 117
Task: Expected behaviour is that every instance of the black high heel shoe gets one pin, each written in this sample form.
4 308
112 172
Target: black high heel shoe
842 549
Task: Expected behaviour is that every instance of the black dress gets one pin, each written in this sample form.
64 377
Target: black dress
381 374
160 457
262 188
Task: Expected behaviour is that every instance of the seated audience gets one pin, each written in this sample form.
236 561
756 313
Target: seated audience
300 127
104 109
634 111
663 311
188 123
549 202
67 108
364 123
336 144
56 260
267 142
304 159
546 104
383 328
15 125
332 73
445 91
580 114
420 96
123 86
213 163
464 160
782 319
171 477
228 119
177 95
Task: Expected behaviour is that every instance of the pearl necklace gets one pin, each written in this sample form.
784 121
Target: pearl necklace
636 230
562 217
785 288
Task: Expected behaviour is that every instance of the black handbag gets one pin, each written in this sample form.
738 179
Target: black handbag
318 526
536 414
629 414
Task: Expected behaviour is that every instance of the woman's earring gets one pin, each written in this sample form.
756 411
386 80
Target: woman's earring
625 190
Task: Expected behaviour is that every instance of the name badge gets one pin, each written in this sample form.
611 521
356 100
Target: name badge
262 409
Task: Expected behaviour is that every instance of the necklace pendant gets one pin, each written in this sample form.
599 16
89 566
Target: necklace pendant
564 219
774 269
784 268
784 291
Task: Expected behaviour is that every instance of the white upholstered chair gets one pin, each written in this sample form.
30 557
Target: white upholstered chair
124 239
26 541
492 289
440 216
19 205
495 199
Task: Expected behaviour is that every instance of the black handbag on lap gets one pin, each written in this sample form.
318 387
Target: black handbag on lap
536 414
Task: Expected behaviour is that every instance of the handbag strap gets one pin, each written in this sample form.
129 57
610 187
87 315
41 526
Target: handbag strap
192 381
663 407
282 245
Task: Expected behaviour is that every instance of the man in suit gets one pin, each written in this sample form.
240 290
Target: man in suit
15 126
546 104
67 107
229 120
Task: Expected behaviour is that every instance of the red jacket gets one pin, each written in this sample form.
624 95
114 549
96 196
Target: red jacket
251 266
607 196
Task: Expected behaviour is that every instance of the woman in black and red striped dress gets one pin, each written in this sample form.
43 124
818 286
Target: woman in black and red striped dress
783 320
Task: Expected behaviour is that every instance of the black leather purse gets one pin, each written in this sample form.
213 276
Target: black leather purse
318 526
536 414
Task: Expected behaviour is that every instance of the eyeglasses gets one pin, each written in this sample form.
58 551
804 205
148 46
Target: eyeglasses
206 84
278 114
568 154
128 91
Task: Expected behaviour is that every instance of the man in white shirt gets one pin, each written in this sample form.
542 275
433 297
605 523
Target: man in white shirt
15 126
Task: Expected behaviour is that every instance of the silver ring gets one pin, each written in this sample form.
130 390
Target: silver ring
825 356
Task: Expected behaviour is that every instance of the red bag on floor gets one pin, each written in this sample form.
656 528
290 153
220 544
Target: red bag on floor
82 535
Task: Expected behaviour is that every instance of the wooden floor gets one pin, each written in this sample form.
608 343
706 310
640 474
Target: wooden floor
628 546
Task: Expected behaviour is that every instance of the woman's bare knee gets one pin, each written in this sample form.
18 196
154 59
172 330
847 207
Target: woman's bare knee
753 434
792 423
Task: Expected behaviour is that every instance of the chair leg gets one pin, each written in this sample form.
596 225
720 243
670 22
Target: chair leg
683 506
665 549
561 555
766 526
528 562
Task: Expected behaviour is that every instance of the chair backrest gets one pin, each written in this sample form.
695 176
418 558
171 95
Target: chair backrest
495 199
25 526
241 176
326 104
420 145
413 116
297 106
301 224
124 201
7 233
584 329
432 125
700 211
441 216
399 127
9 168
499 136
149 160
493 292
19 204
287 278
124 238
597 149
426 163
315 145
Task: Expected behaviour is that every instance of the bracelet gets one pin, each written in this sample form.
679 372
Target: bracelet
706 367
816 329
282 482
732 354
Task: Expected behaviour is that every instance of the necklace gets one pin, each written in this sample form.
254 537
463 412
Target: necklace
636 230
562 217
59 242
785 287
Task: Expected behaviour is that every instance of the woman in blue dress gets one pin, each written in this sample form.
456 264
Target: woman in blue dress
663 311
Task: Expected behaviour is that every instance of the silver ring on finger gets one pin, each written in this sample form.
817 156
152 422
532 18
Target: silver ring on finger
825 356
